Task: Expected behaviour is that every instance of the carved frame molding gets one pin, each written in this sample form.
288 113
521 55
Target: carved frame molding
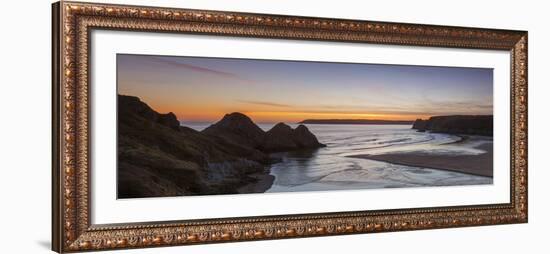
71 226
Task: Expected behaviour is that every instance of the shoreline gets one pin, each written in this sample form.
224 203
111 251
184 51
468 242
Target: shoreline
261 185
479 165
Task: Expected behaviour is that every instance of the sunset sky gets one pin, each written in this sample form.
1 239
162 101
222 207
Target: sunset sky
204 89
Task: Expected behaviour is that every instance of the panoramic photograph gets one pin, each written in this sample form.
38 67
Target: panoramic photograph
191 126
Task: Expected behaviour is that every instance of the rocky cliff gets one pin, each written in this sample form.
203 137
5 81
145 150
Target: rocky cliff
283 138
457 124
157 157
238 129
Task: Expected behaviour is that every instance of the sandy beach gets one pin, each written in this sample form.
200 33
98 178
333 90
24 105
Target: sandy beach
481 165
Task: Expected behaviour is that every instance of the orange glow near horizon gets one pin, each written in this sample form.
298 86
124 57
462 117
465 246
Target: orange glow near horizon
300 116
201 89
214 114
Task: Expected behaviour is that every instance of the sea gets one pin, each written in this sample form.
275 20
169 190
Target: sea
331 168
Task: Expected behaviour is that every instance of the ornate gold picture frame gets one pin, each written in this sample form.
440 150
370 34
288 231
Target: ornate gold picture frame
72 229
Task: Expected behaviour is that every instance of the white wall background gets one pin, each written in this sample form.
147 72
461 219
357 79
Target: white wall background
25 125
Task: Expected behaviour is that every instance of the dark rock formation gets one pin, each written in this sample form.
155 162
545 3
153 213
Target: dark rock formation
304 138
237 128
283 138
279 138
133 105
169 120
420 124
457 124
157 157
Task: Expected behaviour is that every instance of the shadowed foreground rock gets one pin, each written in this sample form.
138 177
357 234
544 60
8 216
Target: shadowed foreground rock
457 124
157 157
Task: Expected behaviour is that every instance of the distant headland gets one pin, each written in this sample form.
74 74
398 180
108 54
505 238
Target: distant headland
355 121
457 124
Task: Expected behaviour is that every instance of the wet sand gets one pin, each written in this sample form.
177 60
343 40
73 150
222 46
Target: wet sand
481 165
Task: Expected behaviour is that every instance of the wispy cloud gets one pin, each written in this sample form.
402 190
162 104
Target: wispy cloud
201 69
265 103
